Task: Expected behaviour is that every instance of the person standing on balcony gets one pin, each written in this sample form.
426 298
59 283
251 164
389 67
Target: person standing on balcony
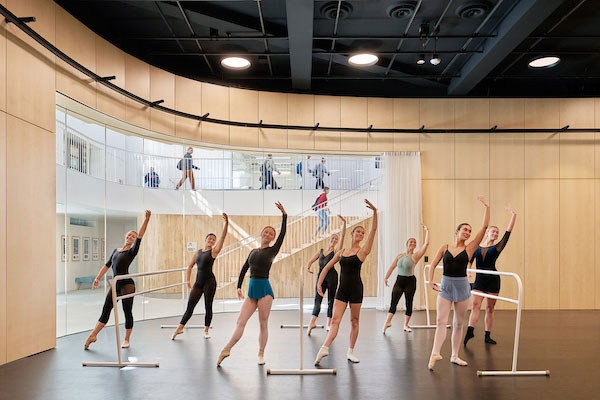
152 180
186 165
319 173
322 209
300 168
267 169
260 293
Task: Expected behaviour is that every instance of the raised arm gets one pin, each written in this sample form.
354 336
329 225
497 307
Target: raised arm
343 234
434 264
513 219
188 272
391 268
311 261
217 249
281 236
144 225
502 243
417 256
366 249
325 270
472 246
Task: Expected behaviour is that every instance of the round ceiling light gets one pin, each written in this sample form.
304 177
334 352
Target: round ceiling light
435 60
363 59
544 62
421 59
237 63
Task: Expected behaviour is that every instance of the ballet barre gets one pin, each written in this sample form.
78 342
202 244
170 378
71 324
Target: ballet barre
120 363
305 326
519 302
185 327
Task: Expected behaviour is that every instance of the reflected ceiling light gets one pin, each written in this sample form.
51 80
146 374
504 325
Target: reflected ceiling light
421 59
435 59
363 59
237 63
544 62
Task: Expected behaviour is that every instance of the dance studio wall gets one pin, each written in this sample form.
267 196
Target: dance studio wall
553 180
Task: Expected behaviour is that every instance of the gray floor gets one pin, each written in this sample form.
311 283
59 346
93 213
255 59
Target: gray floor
391 367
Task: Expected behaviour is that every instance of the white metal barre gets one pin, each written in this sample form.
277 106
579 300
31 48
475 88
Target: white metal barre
119 363
185 327
305 326
301 371
518 302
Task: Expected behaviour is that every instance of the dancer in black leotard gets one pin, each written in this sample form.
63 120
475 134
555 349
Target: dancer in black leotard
330 283
455 288
350 289
486 257
205 280
260 293
119 260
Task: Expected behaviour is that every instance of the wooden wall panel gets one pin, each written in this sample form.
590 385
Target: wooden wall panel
597 240
577 149
137 80
354 114
380 114
215 100
507 113
472 113
162 87
466 206
188 98
2 238
542 152
472 155
79 42
110 61
31 201
577 113
2 64
437 155
301 111
597 136
542 113
406 116
243 106
327 113
542 244
437 113
30 75
273 109
577 258
507 155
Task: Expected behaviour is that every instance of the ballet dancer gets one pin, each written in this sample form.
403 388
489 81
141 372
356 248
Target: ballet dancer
119 260
330 283
350 290
260 293
486 257
455 288
406 282
206 282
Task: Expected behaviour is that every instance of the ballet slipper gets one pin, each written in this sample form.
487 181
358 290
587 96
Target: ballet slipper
433 359
90 340
125 344
311 326
323 352
458 361
207 335
351 357
226 352
177 332
261 358
385 326
407 328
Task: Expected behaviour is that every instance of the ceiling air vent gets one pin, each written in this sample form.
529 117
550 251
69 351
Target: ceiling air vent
329 10
473 9
402 10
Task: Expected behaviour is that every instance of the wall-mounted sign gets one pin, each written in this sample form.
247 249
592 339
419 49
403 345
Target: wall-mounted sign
192 247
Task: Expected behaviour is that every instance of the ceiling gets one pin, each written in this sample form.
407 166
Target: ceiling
300 45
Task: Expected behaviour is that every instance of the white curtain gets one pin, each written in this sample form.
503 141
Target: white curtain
400 218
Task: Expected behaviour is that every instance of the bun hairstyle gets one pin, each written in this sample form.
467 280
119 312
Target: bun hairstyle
268 227
493 227
409 239
461 225
210 234
356 227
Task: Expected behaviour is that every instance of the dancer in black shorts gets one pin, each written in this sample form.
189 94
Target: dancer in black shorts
330 283
206 282
119 260
351 287
486 257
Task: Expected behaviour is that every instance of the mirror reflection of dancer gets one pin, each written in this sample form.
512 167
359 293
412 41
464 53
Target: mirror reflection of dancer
119 260
206 282
330 283
260 293
406 282
455 288
350 289
486 257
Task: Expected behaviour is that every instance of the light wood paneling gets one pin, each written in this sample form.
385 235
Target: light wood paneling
30 199
472 113
2 64
597 240
472 155
577 113
327 113
577 258
2 238
301 111
188 98
466 206
30 74
380 114
79 42
243 107
542 226
507 113
162 87
507 155
577 149
137 80
215 100
110 61
437 113
272 109
354 114
542 114
406 116
597 136
542 151
437 151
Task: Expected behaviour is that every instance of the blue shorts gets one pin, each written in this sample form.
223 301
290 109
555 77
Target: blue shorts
455 289
259 288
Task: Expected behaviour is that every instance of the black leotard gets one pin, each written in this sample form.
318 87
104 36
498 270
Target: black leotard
455 266
121 260
330 284
206 285
260 260
204 261
351 286
486 259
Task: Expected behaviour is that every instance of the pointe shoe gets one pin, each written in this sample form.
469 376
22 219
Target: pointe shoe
407 328
207 335
177 332
351 357
323 352
89 340
310 328
261 358
125 344
224 354
385 326
433 359
458 361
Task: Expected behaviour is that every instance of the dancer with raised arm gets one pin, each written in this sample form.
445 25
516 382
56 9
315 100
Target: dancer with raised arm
206 282
260 293
455 288
350 290
486 257
406 282
330 283
120 260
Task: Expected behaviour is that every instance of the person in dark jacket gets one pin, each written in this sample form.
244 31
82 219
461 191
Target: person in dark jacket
186 166
152 179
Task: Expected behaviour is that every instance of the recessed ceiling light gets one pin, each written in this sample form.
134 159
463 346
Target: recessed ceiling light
421 59
363 59
435 59
238 63
544 62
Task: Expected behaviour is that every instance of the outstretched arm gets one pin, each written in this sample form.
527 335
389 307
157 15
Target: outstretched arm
502 243
281 236
217 249
513 219
343 235
144 225
417 256
472 246
325 270
434 264
366 250
311 261
391 268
